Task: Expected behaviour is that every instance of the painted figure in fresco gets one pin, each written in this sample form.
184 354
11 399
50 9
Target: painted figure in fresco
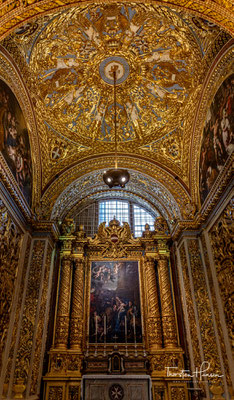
14 142
114 305
218 140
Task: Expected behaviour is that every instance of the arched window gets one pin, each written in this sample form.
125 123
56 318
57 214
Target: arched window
105 210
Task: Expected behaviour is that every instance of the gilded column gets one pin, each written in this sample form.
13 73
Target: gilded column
62 323
168 314
76 321
153 317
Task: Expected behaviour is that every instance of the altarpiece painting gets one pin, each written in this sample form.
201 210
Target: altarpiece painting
115 312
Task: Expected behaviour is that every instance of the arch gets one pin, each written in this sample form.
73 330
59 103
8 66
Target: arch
220 69
15 13
12 77
85 179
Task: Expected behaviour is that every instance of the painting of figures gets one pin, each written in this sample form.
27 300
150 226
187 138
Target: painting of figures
115 314
14 141
218 139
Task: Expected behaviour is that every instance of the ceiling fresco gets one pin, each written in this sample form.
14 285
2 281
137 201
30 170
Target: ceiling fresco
162 56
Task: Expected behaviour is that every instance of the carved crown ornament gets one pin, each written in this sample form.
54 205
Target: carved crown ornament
115 240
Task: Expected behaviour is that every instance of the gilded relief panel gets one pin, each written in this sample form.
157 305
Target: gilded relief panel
29 313
17 314
10 246
204 311
221 236
215 308
189 305
37 358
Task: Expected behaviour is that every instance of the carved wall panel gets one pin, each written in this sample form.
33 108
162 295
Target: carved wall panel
221 236
17 319
29 312
216 312
38 354
189 305
204 311
10 245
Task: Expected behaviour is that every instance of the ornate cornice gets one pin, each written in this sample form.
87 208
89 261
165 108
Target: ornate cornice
10 185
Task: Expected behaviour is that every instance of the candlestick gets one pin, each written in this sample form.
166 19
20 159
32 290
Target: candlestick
134 324
96 325
126 328
104 324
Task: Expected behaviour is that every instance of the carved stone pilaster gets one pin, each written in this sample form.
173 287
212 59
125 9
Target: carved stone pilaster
153 317
168 314
76 321
62 323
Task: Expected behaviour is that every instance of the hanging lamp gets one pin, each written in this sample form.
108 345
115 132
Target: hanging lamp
116 176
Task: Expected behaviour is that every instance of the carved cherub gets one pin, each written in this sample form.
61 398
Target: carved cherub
68 226
160 226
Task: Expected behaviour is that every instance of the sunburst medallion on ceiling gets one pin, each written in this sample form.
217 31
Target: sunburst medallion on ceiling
72 62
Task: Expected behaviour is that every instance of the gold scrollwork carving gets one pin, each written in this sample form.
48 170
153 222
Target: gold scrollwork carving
37 359
189 306
55 393
24 352
204 309
178 393
10 244
216 312
221 239
113 239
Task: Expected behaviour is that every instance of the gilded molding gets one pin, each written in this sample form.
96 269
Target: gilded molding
14 13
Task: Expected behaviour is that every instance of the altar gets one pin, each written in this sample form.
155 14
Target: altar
109 387
115 332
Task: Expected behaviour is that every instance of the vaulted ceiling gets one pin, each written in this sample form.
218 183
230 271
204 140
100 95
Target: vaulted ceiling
163 57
